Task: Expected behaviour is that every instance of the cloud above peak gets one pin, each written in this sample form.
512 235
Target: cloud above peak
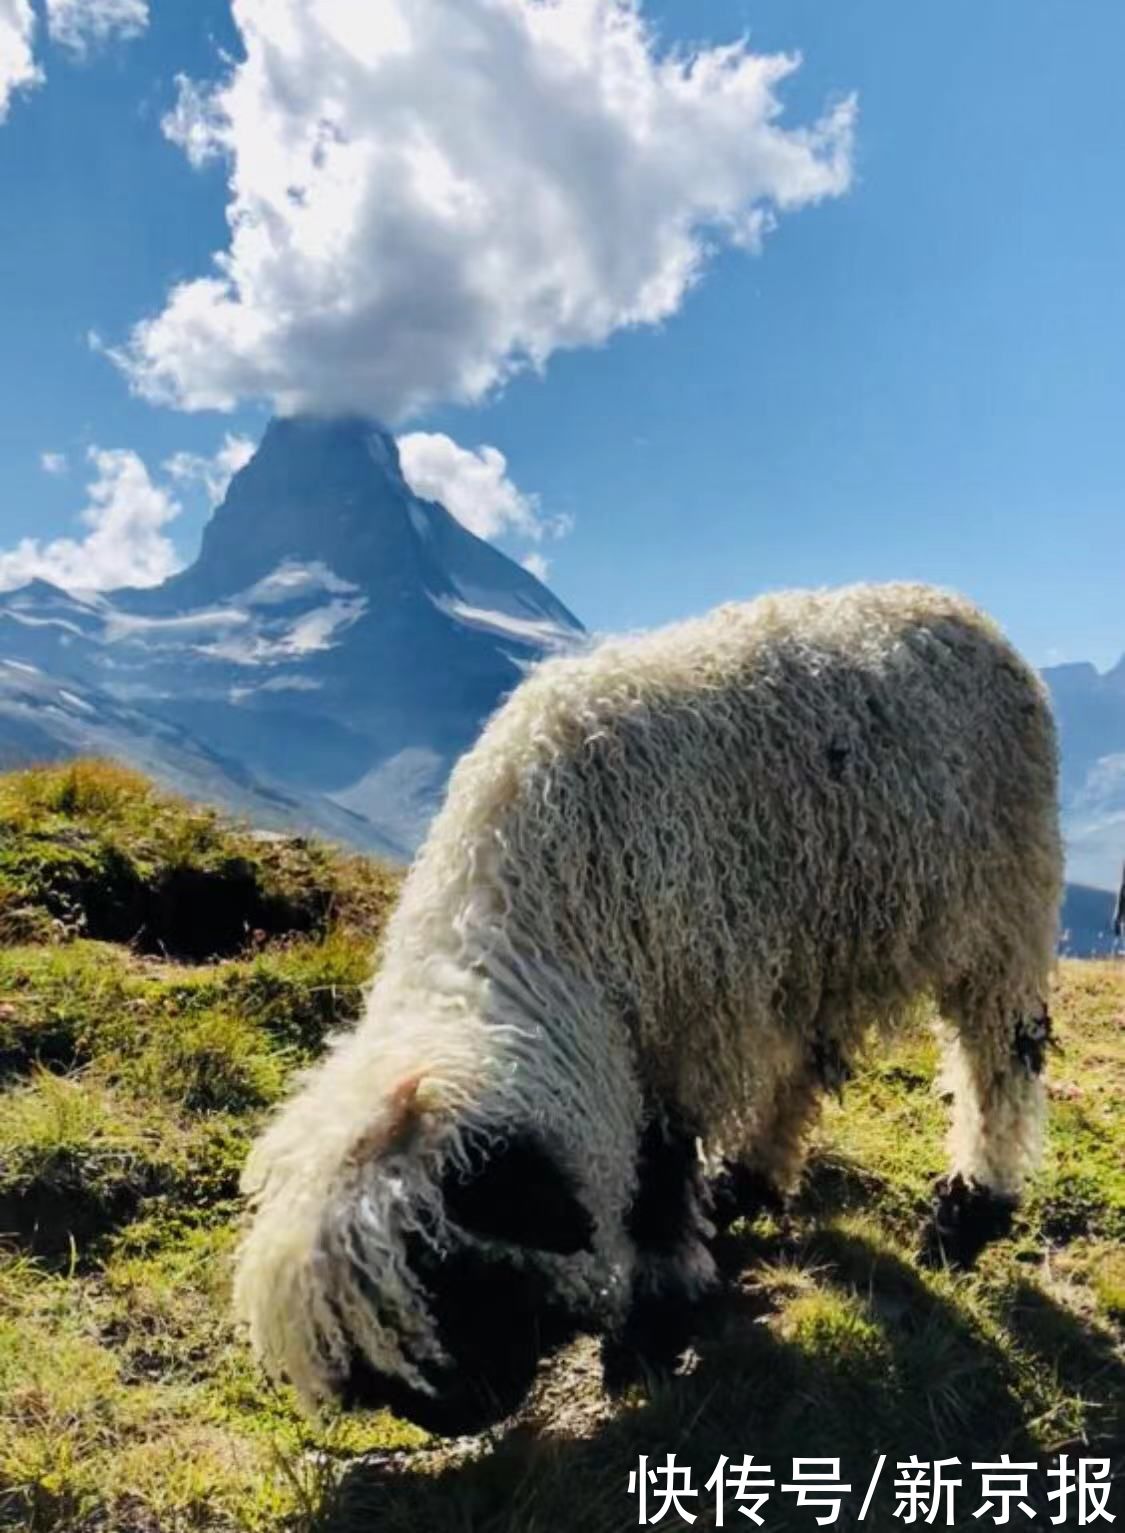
129 508
426 196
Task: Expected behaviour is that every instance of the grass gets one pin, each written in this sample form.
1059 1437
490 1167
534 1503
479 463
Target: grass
92 849
131 1081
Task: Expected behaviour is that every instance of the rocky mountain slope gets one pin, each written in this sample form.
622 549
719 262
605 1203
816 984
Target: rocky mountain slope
333 649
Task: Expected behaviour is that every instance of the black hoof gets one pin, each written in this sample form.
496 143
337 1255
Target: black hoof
654 1338
966 1216
741 1193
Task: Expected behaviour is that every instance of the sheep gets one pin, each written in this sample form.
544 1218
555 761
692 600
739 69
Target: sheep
672 887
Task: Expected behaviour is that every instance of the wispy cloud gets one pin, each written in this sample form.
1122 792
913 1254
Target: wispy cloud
77 25
213 474
475 486
54 463
18 69
403 232
126 544
82 24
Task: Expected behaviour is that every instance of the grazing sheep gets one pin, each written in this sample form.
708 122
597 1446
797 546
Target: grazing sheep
671 888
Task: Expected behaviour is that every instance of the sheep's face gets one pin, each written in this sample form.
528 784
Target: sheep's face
484 1285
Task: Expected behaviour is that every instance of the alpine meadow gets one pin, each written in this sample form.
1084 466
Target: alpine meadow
135 1076
562 766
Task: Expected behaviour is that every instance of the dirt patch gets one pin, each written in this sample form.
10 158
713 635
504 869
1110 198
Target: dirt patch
198 913
182 911
51 1218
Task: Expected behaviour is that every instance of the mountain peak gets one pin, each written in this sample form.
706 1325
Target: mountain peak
329 492
306 436
317 489
338 641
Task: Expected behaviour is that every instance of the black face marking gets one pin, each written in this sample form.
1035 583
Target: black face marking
519 1194
495 1319
1031 1040
492 1309
666 1207
966 1217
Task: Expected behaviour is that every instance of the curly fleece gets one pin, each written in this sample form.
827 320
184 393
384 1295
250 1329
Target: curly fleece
683 870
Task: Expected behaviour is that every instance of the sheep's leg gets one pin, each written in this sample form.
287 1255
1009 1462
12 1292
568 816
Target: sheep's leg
995 1071
743 1190
765 1175
668 1226
761 1179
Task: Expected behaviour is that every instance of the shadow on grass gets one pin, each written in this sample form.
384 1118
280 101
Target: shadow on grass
871 1359
1084 1359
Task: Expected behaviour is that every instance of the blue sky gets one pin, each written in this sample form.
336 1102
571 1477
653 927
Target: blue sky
923 376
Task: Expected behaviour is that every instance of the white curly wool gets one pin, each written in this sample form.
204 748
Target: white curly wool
684 870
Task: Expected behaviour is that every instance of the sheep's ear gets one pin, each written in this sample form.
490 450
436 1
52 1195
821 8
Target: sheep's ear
519 1194
396 1126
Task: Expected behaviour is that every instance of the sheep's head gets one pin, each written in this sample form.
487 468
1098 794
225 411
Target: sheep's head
487 1269
429 1272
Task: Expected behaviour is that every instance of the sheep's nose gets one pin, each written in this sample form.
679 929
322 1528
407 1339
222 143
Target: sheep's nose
457 1408
363 1387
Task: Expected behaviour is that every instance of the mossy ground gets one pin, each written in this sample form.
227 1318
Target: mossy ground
131 1083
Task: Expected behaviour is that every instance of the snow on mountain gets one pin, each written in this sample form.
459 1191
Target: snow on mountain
338 638
538 631
1087 922
43 720
339 641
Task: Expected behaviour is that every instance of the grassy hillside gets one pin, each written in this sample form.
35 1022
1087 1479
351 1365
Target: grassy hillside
162 974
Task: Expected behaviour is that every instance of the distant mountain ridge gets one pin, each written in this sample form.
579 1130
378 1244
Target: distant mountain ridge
339 641
1087 922
1090 711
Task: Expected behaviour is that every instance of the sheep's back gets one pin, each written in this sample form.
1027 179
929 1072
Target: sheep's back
804 807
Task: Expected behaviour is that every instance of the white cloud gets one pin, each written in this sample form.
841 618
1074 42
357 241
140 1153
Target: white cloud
82 24
214 473
74 24
126 544
53 463
427 195
194 122
474 486
536 565
18 69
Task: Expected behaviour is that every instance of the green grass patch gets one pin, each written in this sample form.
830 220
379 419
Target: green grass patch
75 1162
131 1085
90 849
66 1006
